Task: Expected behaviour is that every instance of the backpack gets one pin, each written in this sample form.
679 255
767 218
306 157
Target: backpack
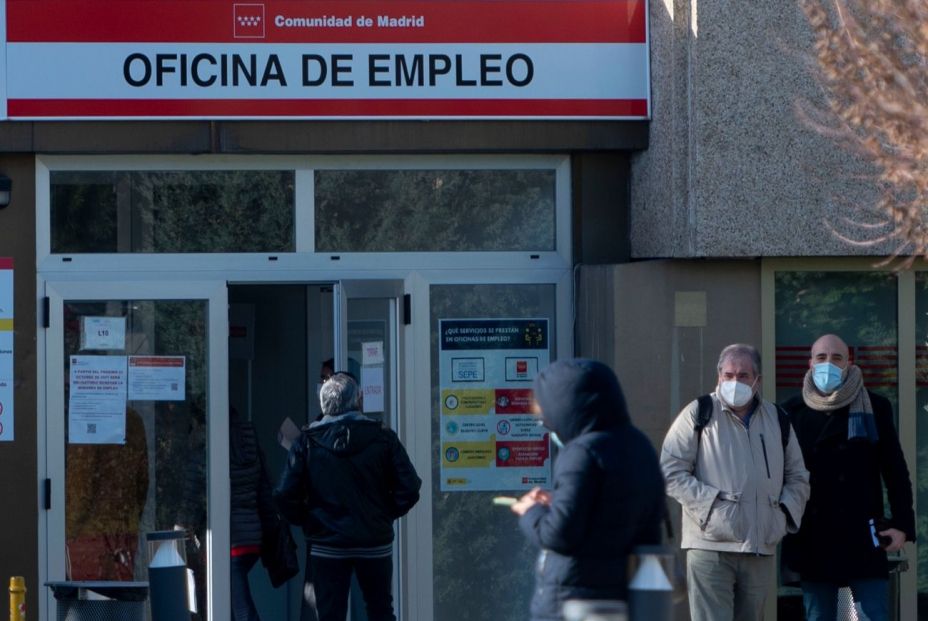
705 413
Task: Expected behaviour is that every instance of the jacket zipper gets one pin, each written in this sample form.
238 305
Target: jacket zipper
763 446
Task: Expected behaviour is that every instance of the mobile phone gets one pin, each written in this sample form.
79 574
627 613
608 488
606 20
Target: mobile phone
505 501
879 541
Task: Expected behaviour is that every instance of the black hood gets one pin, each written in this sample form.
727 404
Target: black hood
345 434
577 396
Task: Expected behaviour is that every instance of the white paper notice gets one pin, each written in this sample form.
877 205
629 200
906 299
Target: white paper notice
288 433
372 353
372 386
103 333
97 403
157 378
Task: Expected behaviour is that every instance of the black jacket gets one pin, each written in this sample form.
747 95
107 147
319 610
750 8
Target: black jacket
250 492
846 476
347 479
608 494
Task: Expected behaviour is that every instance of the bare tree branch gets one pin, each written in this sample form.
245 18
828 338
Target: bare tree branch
873 62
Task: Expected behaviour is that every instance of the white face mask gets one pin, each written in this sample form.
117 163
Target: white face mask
557 441
735 394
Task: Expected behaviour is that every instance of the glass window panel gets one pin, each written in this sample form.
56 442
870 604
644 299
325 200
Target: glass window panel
861 308
434 210
921 437
477 546
152 477
369 322
172 211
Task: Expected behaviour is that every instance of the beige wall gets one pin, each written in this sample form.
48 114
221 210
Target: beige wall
18 467
662 324
731 169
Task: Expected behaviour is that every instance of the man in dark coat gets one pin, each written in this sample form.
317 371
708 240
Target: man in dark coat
608 494
850 448
346 480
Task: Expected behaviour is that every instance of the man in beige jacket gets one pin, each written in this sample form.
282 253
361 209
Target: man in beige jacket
740 489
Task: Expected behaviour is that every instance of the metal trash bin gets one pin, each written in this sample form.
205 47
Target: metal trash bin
100 601
167 575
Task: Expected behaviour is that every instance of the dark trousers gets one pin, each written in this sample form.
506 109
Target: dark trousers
332 581
243 606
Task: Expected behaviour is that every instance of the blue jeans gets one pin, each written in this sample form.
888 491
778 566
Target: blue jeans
243 606
821 599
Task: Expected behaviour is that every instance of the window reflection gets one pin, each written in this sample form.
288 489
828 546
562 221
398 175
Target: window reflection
432 210
921 436
861 308
172 211
154 477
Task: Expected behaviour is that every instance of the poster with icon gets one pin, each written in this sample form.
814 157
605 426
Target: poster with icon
490 440
6 349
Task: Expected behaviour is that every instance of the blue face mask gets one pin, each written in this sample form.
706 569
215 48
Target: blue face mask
827 377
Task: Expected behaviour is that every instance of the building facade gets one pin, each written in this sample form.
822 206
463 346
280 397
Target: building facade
205 259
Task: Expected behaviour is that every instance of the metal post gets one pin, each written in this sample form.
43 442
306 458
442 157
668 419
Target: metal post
17 598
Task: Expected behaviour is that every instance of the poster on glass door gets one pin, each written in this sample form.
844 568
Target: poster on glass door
97 400
489 438
6 349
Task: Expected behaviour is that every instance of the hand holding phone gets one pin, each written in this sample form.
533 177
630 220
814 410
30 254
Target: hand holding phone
877 526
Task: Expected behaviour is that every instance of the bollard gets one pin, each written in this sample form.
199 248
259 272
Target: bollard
650 593
17 598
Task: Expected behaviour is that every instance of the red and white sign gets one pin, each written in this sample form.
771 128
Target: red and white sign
520 59
157 378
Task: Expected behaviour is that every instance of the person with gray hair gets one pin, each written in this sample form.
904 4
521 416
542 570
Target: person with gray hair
346 480
339 394
734 466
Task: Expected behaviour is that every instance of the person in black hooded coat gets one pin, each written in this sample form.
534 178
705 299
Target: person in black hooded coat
608 495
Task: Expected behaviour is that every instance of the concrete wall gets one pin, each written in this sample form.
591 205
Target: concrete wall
18 459
731 169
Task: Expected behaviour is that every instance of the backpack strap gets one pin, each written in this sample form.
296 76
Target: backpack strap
783 417
703 415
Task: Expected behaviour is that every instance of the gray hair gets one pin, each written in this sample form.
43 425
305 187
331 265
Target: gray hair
740 350
339 394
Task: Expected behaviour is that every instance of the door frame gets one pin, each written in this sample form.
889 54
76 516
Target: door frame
51 438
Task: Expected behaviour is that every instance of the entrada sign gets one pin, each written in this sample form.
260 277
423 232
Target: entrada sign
327 59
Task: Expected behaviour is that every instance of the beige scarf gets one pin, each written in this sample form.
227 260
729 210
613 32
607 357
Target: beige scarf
860 421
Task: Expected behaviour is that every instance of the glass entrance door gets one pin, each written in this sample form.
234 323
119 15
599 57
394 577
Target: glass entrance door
367 346
135 413
366 342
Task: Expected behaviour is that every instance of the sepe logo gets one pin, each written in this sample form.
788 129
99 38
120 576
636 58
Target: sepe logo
248 21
